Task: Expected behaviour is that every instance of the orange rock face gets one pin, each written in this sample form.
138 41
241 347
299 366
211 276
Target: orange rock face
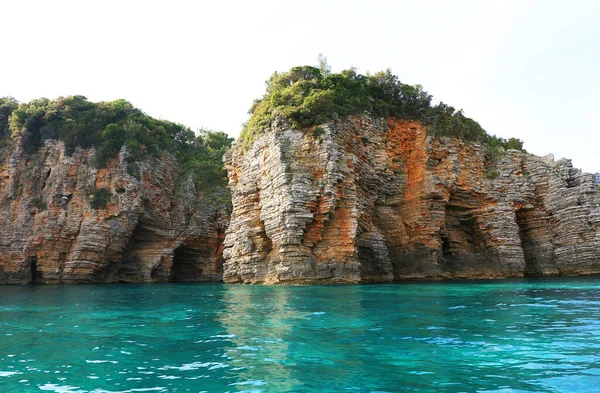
151 229
367 201
376 201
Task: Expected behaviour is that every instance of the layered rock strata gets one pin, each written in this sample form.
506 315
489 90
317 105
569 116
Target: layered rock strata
364 200
154 227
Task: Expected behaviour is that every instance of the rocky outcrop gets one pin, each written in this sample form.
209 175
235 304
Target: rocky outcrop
154 228
363 200
354 200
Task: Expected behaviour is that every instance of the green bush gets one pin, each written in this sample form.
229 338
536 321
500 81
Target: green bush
495 149
7 107
108 126
100 198
307 96
318 132
204 161
491 171
39 204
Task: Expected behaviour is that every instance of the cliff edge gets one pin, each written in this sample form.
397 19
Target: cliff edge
148 231
336 178
101 193
363 199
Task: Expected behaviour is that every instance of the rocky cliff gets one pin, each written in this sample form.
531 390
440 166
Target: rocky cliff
353 200
153 227
364 200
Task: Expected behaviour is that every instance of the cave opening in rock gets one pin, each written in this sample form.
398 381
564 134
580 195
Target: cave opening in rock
145 246
462 240
188 264
445 245
36 275
526 222
142 247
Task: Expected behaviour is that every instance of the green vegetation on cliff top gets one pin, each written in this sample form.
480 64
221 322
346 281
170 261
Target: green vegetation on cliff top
308 96
108 126
305 96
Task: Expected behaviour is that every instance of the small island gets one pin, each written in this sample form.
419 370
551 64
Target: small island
335 178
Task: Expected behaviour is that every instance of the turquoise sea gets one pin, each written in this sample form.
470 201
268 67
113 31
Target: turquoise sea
497 336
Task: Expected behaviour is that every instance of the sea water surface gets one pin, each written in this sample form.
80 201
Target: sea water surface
499 336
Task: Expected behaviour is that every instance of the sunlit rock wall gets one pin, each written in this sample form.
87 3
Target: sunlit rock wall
360 200
154 228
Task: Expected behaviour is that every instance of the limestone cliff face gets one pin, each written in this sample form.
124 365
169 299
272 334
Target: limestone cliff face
376 201
152 230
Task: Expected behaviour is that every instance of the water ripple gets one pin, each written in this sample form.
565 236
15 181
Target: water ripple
506 336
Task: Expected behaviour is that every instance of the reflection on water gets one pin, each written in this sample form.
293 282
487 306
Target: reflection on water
284 334
256 322
505 336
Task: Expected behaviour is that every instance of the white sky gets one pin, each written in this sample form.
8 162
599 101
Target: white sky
523 68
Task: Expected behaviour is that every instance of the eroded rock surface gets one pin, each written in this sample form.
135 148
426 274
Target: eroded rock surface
360 200
154 228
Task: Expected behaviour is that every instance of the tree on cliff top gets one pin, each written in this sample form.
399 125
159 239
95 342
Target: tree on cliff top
7 107
308 96
107 126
